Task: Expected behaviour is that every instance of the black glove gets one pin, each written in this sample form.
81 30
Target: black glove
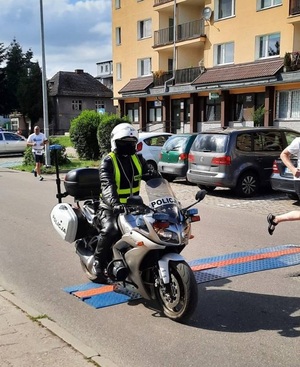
118 209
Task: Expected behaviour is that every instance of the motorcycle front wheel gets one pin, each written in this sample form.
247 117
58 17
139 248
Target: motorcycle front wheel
178 300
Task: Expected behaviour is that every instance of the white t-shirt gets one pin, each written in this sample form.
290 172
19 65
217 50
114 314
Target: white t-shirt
294 148
38 139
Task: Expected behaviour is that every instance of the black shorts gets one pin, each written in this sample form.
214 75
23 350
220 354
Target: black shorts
38 158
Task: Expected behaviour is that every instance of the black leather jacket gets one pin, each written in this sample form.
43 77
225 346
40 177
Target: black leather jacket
109 195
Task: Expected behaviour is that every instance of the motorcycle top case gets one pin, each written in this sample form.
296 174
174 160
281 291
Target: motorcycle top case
83 183
69 222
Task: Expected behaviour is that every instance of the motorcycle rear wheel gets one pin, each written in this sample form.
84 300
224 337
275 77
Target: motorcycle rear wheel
181 303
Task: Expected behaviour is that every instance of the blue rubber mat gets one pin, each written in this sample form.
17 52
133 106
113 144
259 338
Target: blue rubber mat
205 270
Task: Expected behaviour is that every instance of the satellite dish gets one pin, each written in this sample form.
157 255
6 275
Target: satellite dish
206 13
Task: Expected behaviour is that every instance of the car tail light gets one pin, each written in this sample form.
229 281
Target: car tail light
221 161
183 156
275 167
191 158
139 146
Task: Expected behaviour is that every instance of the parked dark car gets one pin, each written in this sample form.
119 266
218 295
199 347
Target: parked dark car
237 158
173 160
283 180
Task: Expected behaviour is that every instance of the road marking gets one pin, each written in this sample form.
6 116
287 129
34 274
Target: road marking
205 270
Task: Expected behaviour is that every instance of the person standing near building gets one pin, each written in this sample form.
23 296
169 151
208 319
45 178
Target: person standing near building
37 141
292 149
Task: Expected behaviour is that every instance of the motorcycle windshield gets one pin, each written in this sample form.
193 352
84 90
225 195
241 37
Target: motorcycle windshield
162 198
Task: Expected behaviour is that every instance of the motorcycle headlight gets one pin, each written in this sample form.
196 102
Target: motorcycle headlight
167 236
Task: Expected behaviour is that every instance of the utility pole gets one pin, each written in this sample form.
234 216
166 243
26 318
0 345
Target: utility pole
45 96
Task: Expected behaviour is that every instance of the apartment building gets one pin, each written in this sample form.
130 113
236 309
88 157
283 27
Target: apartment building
189 65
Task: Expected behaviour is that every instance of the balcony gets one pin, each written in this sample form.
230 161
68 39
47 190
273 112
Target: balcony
161 2
294 7
182 76
184 32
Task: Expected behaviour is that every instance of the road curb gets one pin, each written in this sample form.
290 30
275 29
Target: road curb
54 328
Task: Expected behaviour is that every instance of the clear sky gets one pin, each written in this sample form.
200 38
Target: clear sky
77 32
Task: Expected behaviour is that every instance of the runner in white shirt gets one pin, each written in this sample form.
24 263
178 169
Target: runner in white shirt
37 141
292 149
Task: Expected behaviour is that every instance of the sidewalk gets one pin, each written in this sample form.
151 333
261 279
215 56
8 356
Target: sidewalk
27 339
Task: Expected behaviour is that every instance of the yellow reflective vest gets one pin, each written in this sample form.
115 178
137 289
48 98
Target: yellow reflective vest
123 186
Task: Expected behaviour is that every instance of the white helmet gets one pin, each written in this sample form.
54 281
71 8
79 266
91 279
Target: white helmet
125 132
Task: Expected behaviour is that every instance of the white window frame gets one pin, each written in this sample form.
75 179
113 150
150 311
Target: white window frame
263 44
265 4
77 105
118 36
99 104
224 53
119 71
117 4
218 9
144 66
144 29
288 107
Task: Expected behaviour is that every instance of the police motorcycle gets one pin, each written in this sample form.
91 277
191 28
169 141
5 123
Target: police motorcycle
146 260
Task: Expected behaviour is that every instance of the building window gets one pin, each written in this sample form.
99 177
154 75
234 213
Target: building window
132 111
119 70
224 8
288 105
213 109
224 53
117 4
262 4
99 105
144 67
154 111
268 45
77 105
118 35
144 28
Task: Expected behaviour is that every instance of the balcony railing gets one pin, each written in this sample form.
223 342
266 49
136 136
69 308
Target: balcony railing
294 7
184 32
160 2
181 76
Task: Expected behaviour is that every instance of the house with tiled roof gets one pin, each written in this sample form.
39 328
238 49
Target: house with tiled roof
73 92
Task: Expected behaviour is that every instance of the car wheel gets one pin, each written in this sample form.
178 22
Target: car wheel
207 188
247 184
152 165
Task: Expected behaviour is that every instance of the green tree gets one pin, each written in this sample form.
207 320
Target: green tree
29 93
2 80
14 73
83 134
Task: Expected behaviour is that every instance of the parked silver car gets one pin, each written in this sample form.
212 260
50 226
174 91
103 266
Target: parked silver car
283 180
237 158
11 142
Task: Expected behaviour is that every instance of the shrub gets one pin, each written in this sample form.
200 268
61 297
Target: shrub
104 131
259 116
83 134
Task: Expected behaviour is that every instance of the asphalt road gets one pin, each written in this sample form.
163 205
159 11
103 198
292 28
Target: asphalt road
250 320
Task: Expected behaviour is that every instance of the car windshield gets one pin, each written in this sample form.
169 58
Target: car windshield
215 143
176 143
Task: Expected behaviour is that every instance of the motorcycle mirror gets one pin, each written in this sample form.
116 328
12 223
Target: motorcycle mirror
200 195
135 200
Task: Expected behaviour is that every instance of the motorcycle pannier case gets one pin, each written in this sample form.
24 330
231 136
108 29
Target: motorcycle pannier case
69 222
83 183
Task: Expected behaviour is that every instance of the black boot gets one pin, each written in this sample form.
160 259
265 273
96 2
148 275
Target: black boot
99 272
